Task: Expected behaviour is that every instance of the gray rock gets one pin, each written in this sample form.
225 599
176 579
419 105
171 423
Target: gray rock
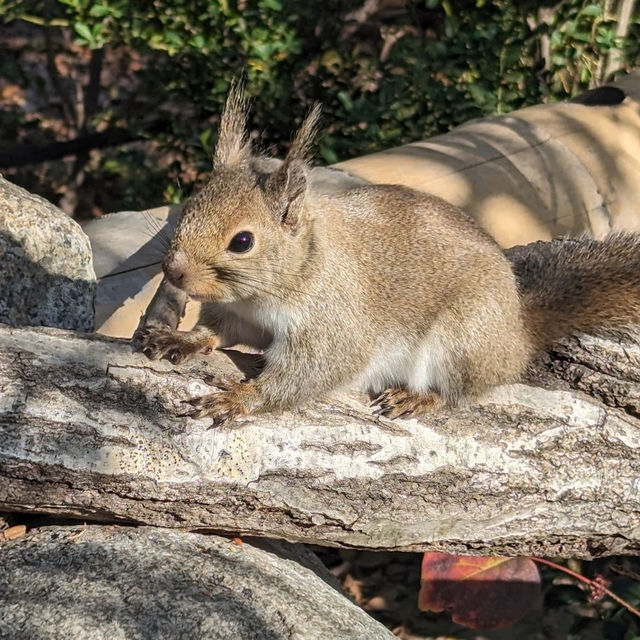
47 273
117 583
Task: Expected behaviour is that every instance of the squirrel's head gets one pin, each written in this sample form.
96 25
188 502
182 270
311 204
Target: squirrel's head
243 233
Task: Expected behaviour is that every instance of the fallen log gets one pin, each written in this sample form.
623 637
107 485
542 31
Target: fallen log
89 429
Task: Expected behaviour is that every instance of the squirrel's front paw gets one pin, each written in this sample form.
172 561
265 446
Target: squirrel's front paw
175 346
223 406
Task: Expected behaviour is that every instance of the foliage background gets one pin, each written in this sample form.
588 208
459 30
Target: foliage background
151 77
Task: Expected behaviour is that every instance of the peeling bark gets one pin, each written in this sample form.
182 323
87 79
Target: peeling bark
89 429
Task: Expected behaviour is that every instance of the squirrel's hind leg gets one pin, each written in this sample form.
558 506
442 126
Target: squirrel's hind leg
404 403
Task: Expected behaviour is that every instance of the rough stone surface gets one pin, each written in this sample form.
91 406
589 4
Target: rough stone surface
47 273
122 583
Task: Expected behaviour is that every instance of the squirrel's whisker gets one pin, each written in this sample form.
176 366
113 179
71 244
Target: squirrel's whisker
254 286
157 230
244 277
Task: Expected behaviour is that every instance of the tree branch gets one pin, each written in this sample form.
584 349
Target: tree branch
91 430
68 110
92 89
33 154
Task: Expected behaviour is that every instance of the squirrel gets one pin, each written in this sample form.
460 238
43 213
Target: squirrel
396 291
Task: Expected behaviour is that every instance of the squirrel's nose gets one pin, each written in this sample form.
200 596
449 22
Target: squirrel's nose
175 267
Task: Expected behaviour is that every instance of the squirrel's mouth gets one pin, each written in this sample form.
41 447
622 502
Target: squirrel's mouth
210 297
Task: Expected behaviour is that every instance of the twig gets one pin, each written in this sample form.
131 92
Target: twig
593 584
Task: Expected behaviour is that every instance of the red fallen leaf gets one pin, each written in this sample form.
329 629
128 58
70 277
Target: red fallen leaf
479 593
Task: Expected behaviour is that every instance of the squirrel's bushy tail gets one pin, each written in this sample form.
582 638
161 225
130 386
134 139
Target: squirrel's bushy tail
579 284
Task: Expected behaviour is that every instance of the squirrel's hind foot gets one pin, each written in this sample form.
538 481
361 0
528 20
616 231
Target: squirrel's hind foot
223 406
403 403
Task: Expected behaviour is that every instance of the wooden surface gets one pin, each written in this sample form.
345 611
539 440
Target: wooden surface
89 429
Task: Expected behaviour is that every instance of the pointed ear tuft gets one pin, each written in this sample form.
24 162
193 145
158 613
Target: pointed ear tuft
304 138
232 145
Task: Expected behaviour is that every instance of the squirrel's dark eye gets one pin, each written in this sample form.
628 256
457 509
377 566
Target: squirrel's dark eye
241 242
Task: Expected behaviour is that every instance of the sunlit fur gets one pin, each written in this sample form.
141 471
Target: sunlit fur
378 285
255 294
232 148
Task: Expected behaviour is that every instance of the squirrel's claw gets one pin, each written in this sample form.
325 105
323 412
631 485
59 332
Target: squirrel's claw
402 403
223 406
175 346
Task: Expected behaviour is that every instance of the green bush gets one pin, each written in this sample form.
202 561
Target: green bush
384 79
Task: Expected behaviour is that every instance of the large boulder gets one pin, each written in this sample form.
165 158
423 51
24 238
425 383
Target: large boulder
125 583
47 275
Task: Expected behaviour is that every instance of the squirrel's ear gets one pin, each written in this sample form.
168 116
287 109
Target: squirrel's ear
232 147
286 189
287 186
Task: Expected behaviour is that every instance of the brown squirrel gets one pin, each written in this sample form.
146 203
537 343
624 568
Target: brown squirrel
394 290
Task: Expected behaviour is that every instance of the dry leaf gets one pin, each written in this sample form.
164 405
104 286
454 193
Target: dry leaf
480 593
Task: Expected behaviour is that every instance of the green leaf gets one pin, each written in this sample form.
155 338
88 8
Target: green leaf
592 10
274 5
328 155
345 100
173 38
556 38
98 11
263 50
582 36
450 26
83 31
220 86
205 138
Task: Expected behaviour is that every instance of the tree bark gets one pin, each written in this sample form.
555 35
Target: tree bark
91 430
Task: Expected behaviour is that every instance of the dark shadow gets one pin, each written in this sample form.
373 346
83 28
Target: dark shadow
604 96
